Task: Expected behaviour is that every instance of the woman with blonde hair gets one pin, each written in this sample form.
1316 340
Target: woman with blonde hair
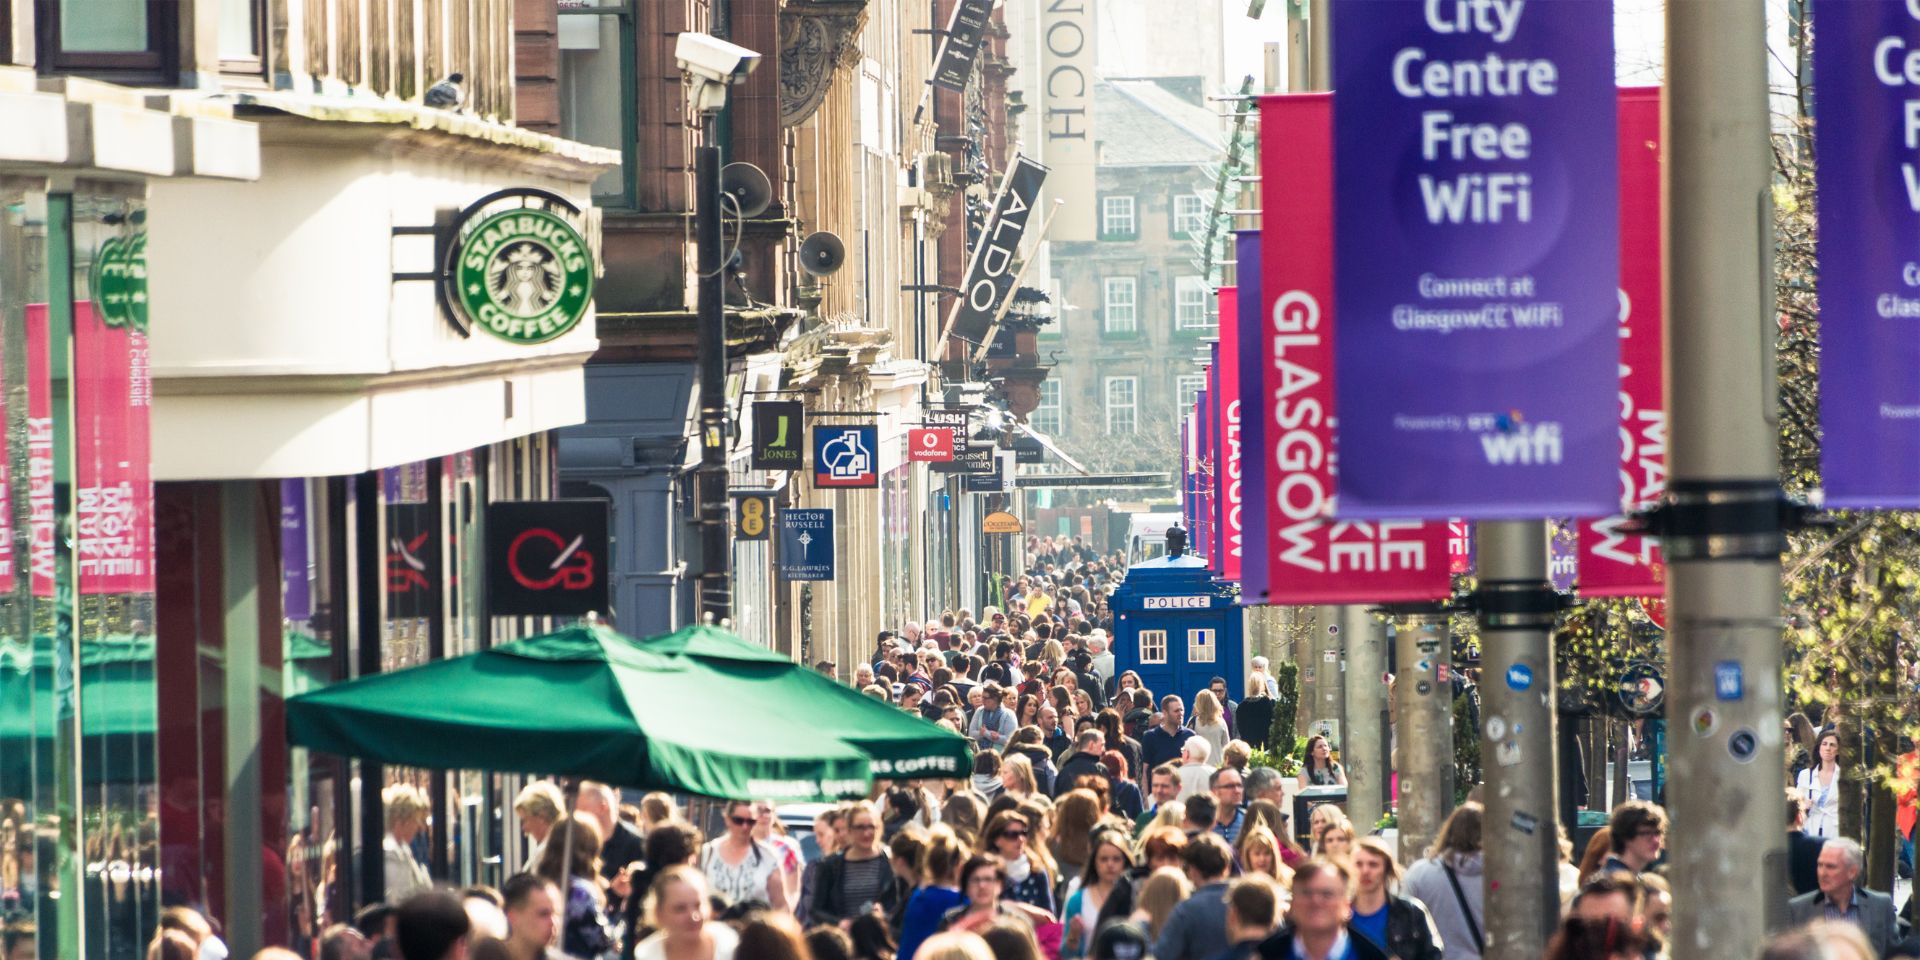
1054 654
1163 890
955 945
1259 852
1334 840
677 911
1173 814
656 808
1209 722
407 809
1016 776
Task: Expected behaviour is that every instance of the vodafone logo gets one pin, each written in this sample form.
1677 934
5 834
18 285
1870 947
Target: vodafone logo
930 445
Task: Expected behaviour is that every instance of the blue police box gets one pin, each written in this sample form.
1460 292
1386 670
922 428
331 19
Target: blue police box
1178 628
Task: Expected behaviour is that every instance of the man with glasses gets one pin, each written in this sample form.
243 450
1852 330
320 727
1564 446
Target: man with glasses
1229 812
1322 906
1639 832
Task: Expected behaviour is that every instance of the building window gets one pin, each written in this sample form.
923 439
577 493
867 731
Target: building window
1200 646
596 91
1046 417
1119 304
1153 646
1186 389
125 36
1193 304
1116 218
1123 404
242 38
1189 215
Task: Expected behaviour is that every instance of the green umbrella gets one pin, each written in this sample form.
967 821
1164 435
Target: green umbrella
901 745
586 701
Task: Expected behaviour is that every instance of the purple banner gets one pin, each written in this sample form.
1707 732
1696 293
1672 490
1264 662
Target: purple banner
1476 260
1253 461
1563 554
1868 178
1203 478
296 586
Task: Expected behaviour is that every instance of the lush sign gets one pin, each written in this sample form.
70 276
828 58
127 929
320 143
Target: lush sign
1476 259
521 273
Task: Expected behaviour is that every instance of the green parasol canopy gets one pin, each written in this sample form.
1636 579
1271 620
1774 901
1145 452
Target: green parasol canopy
697 710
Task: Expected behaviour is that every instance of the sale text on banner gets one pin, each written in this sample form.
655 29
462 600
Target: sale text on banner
1475 259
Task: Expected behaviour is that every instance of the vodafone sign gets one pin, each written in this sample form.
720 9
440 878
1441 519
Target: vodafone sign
930 445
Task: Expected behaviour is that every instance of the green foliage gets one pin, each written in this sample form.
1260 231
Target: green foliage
1286 706
1388 821
1466 749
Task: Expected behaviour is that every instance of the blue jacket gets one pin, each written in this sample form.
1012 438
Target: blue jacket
1197 928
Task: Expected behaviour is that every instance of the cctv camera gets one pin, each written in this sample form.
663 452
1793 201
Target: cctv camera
712 59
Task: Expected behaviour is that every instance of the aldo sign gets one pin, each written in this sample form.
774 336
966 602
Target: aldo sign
518 268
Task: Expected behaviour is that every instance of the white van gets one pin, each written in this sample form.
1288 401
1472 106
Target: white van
1147 535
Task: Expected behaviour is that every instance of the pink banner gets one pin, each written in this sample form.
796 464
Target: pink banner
1459 547
1227 362
1615 563
113 503
1311 558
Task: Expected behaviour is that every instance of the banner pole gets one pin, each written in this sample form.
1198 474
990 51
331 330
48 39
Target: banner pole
1423 708
1366 720
1723 529
1517 608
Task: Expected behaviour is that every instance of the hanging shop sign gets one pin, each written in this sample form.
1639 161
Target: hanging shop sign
547 557
805 548
930 445
1868 178
518 267
1476 259
1614 562
119 279
1000 522
1310 557
1028 449
999 477
960 45
1252 479
776 434
752 515
1067 117
845 456
989 279
955 421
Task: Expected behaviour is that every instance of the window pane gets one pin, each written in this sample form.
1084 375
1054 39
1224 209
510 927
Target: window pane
1199 646
1153 646
239 29
590 88
103 26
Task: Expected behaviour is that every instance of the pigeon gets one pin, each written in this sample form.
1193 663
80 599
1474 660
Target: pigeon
447 94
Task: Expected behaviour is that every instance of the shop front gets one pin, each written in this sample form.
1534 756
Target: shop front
356 357
80 858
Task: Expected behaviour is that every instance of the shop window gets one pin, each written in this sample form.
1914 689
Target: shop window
1153 646
597 90
128 39
1200 646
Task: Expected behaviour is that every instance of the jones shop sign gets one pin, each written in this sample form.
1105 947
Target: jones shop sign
518 268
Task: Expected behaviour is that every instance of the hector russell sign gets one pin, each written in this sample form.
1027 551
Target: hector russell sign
522 273
1476 256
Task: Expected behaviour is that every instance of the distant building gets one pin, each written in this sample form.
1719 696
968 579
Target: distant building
1135 310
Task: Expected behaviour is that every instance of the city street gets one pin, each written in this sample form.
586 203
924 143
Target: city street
959 480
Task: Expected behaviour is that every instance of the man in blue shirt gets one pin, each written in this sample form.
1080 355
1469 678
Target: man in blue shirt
1229 815
1162 743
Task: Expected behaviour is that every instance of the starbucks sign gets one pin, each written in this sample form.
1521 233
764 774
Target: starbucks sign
518 268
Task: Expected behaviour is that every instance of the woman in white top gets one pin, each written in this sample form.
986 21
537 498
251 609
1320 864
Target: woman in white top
1210 721
677 909
1820 784
406 816
740 868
